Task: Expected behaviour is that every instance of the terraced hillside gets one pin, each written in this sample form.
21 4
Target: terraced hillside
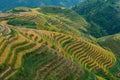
50 18
114 47
114 39
15 45
30 54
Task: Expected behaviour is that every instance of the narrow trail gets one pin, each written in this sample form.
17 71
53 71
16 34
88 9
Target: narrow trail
7 70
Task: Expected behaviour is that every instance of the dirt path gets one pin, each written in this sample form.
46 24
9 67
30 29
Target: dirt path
7 70
7 78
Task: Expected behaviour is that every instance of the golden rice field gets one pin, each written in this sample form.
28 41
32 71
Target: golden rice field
54 49
29 54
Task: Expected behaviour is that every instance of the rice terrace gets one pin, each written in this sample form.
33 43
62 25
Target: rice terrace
57 43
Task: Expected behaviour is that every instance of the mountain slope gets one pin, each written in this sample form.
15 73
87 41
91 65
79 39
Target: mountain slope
114 39
112 43
52 43
38 54
104 13
9 4
50 18
30 57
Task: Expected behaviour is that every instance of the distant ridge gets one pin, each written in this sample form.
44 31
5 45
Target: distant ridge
9 4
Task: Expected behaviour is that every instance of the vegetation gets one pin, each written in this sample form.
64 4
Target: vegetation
18 22
19 9
7 5
112 43
104 13
32 51
52 43
96 31
52 19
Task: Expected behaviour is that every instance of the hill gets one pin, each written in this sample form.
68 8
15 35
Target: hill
46 55
30 58
9 4
114 39
57 19
104 13
112 43
52 43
